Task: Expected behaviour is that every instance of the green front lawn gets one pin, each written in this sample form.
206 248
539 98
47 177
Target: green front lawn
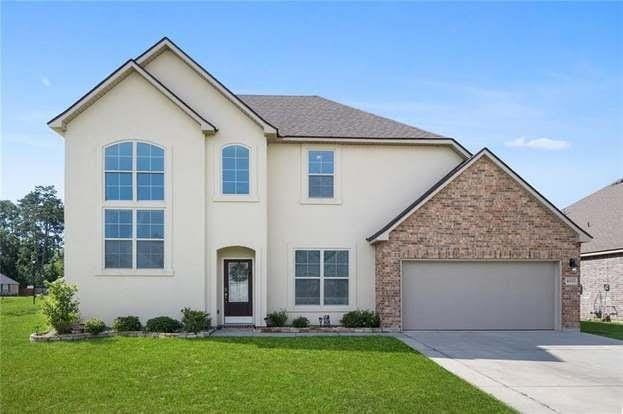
610 329
319 374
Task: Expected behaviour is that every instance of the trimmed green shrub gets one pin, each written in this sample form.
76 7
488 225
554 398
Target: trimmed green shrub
163 324
95 326
195 320
361 319
127 323
60 307
300 322
277 318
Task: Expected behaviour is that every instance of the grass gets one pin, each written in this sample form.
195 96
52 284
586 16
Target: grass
301 374
612 330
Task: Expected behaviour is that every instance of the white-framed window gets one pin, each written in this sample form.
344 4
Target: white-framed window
134 238
321 174
321 277
235 162
133 171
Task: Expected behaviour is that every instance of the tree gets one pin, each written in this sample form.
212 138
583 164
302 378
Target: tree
40 230
9 240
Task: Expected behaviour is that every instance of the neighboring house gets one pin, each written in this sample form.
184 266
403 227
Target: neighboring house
180 193
8 286
601 213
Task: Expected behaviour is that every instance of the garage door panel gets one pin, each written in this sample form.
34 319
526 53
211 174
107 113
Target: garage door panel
478 295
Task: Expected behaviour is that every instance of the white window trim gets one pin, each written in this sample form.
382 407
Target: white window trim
218 195
352 280
166 205
337 174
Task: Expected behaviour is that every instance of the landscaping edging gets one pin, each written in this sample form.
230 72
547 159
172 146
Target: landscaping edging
318 329
53 337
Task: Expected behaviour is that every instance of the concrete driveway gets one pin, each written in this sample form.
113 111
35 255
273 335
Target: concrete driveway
533 371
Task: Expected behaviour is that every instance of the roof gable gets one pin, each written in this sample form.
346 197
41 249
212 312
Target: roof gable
602 213
383 233
166 44
60 122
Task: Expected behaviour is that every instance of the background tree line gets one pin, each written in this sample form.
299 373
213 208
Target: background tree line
31 237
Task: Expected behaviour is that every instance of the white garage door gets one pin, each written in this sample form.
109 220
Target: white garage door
478 295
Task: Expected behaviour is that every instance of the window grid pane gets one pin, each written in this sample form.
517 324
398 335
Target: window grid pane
118 239
235 170
307 263
150 186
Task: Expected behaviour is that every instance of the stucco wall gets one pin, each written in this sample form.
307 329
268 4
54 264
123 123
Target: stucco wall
481 214
597 271
376 182
135 110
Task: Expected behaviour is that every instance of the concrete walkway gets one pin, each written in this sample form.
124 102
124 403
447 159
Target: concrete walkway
533 371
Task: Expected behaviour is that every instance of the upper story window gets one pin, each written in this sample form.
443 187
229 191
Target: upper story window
321 174
235 170
134 171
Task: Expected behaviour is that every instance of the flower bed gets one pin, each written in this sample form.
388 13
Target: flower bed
53 336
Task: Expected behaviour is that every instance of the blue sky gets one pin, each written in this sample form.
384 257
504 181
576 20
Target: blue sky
541 84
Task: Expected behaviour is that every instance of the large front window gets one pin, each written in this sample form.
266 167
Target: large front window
133 238
133 171
321 277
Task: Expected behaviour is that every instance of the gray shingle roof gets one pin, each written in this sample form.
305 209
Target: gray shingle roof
601 214
314 116
5 280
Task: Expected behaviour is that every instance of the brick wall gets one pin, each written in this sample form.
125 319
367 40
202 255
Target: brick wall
482 214
596 271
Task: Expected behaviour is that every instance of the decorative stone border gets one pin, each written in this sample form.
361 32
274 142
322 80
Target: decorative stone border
52 336
318 329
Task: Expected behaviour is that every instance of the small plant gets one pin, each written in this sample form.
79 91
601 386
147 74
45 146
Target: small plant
361 319
163 324
94 326
60 307
195 321
126 323
39 329
300 322
277 318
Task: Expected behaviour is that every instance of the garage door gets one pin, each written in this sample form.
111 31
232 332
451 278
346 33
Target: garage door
478 295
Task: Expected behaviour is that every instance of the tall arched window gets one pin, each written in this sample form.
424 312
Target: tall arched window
134 232
235 170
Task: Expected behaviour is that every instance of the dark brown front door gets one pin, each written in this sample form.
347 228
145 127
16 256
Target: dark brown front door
237 288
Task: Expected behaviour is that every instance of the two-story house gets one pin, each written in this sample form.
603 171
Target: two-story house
179 193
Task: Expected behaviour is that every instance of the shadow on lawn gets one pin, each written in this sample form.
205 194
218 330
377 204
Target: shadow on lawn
320 343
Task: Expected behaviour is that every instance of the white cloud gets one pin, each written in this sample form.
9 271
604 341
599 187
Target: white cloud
46 82
540 144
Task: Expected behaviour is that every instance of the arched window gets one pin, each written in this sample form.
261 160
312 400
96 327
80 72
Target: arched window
127 163
235 170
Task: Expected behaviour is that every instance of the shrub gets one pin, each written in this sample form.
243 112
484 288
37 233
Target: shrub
300 322
195 320
163 324
60 307
95 326
361 319
127 323
277 318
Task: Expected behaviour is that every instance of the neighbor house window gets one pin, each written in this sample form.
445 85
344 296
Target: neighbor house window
321 277
235 170
133 238
130 165
321 171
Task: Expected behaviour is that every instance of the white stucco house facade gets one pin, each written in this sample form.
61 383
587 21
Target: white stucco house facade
180 193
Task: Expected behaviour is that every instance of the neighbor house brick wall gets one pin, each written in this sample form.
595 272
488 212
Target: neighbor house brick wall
597 271
482 214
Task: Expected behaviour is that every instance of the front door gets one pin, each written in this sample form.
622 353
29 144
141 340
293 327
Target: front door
237 289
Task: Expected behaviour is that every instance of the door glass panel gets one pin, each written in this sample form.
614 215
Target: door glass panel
238 277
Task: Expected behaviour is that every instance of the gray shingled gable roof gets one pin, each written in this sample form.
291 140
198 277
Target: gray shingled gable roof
601 213
5 280
314 116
